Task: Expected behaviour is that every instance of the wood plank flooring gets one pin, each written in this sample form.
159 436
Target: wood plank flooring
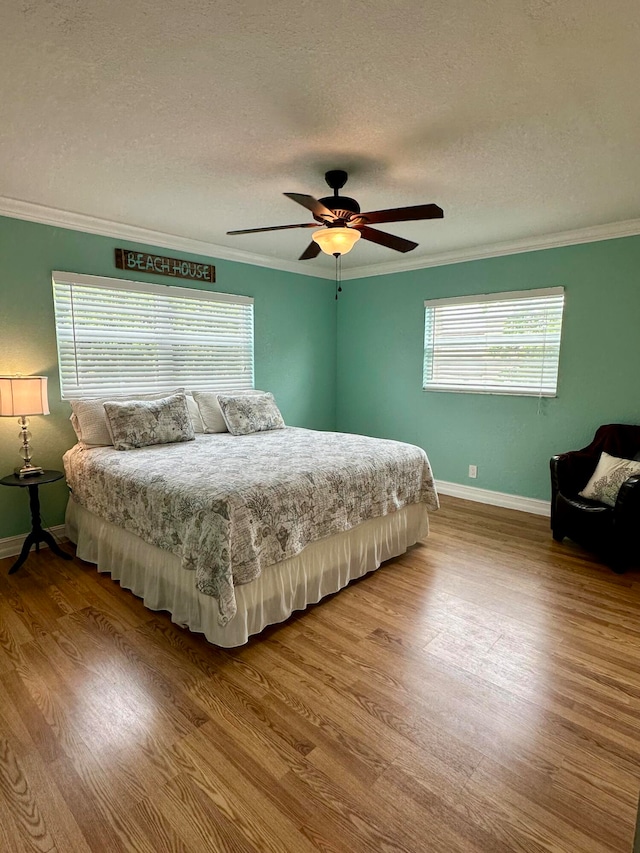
480 694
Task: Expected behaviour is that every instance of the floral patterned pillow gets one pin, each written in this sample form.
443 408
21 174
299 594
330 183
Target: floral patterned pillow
209 407
89 420
139 423
610 474
250 413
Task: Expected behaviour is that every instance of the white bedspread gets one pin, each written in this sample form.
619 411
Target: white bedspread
230 505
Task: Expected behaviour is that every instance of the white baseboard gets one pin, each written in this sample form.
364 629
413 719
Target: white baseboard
12 545
485 496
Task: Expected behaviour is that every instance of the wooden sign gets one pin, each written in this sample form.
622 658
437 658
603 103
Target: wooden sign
126 259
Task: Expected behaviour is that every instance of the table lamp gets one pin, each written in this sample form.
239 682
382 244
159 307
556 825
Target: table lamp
21 396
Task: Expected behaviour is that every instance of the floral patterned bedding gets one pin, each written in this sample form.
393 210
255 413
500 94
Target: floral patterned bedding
229 506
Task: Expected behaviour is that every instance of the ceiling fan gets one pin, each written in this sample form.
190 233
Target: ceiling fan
344 224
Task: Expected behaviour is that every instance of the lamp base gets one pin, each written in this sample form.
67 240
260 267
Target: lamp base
28 471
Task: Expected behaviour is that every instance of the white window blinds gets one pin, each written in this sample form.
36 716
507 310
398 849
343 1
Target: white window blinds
501 343
121 337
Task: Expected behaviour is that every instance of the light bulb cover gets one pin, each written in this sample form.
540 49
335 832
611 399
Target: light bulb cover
336 241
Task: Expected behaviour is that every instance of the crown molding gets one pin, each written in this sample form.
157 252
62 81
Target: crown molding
593 234
44 215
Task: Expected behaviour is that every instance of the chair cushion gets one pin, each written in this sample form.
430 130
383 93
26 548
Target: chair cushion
606 480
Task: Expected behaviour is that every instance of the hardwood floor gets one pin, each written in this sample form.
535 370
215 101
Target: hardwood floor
480 693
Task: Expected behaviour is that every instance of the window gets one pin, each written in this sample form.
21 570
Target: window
117 337
501 343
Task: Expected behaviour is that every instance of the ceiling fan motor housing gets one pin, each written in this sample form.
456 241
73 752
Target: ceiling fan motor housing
341 205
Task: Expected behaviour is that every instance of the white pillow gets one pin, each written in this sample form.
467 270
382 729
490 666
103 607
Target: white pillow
606 480
194 412
89 420
210 410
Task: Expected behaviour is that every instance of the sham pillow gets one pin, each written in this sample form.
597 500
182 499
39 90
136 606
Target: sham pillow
250 413
141 423
210 408
89 420
606 480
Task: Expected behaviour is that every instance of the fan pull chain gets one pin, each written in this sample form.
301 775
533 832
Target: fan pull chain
338 258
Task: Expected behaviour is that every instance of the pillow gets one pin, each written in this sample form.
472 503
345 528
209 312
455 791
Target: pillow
194 414
90 422
610 474
210 408
140 423
250 413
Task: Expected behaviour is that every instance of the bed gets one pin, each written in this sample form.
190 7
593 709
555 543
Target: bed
231 533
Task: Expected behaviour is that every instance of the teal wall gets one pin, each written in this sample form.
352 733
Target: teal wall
295 341
362 370
510 439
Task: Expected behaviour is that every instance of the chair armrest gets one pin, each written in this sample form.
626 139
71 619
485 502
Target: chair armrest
628 500
626 521
558 464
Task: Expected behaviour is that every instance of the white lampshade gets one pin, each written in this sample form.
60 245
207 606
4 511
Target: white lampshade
23 395
336 241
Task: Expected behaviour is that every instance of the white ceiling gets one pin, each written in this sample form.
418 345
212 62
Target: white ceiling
520 118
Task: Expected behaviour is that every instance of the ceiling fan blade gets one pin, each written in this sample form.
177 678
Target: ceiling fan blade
384 239
274 228
404 214
316 207
312 251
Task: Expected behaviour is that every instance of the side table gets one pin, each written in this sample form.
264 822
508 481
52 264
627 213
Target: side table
37 534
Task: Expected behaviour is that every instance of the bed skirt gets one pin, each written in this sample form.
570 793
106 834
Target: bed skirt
323 568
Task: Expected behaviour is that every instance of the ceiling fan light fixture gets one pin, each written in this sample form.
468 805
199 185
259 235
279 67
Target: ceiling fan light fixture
336 241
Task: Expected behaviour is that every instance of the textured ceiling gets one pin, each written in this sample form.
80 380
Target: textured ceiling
519 117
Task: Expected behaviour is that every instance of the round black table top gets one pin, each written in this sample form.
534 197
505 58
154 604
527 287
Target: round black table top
33 480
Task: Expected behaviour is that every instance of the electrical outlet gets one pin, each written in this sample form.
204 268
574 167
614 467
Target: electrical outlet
473 471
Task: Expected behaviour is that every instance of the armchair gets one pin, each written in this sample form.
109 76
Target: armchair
611 532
